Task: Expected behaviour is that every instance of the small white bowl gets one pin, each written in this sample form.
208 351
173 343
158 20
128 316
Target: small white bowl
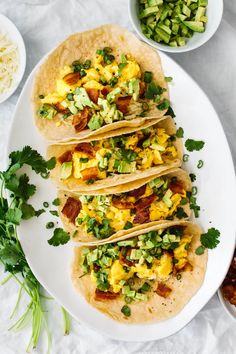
214 13
230 309
8 28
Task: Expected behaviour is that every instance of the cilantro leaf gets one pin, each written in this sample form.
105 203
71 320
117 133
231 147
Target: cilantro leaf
60 237
10 255
56 202
180 213
27 211
170 112
32 158
14 215
211 238
179 132
194 145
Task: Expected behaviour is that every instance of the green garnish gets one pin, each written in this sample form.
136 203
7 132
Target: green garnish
60 237
83 159
180 213
50 225
180 132
178 276
56 202
147 76
200 250
192 177
168 78
200 164
128 225
194 190
54 212
208 240
170 112
194 145
126 310
164 105
41 97
45 204
185 157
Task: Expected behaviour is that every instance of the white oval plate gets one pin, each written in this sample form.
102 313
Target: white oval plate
7 27
217 194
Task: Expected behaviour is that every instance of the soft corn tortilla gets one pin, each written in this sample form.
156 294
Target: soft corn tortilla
73 184
82 236
156 308
82 46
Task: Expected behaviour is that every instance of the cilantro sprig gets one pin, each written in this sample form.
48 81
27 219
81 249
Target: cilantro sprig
12 211
194 145
208 240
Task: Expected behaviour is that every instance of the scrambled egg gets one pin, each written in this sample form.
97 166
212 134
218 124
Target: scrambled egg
119 217
181 253
116 274
80 166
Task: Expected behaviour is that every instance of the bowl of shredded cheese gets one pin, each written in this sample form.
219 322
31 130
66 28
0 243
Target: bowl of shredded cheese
12 58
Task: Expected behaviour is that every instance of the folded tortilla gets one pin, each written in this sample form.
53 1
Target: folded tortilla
82 46
74 206
79 185
156 307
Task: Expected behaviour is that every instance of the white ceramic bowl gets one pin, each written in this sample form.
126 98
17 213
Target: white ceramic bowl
230 309
214 13
7 27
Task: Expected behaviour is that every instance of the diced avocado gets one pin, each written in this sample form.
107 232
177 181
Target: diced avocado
204 19
165 28
149 259
157 182
180 41
195 26
200 12
131 293
72 108
135 254
112 95
164 13
133 88
158 147
146 143
202 3
66 170
175 28
131 242
152 2
163 35
173 44
125 289
182 17
150 20
186 11
47 111
141 297
148 11
85 268
166 199
126 167
103 163
95 122
81 98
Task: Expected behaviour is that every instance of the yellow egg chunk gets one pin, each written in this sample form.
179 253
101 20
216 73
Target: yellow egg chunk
131 141
116 274
119 217
52 98
80 166
142 271
158 210
165 267
181 253
92 74
63 88
130 71
92 84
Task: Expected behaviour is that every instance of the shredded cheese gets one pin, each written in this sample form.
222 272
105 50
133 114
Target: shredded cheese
9 62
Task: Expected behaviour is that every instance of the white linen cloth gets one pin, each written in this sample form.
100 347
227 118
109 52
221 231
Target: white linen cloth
43 24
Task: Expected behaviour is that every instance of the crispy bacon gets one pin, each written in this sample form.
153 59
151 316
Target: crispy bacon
142 216
125 251
121 204
176 187
138 192
71 209
85 148
143 203
105 91
142 88
93 94
72 78
163 290
60 108
122 103
96 267
80 120
229 293
65 157
229 283
105 295
89 173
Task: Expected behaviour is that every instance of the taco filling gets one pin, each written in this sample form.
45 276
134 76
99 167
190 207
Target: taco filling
118 155
136 268
101 91
103 215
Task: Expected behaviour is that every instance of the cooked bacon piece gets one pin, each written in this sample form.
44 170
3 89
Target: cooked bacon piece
85 148
89 173
229 294
96 267
176 187
142 88
229 284
80 120
138 192
71 209
121 204
93 94
105 91
65 157
72 78
122 103
60 108
143 203
126 251
142 216
105 295
163 290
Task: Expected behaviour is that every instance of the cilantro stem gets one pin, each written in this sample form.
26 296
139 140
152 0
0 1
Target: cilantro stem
6 279
66 321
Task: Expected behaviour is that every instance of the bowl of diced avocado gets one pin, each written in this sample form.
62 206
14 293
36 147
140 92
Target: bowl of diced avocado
176 25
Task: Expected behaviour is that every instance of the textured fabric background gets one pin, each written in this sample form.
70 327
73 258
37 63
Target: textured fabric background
43 24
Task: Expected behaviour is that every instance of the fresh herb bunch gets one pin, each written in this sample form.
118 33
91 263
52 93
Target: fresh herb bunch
12 211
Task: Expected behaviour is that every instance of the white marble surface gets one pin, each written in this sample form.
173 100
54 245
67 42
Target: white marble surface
43 24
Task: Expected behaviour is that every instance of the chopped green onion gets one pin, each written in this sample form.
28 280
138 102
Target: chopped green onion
200 164
185 157
126 310
50 225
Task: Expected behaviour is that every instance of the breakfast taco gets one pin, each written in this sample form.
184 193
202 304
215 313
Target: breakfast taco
116 160
97 81
148 276
100 216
